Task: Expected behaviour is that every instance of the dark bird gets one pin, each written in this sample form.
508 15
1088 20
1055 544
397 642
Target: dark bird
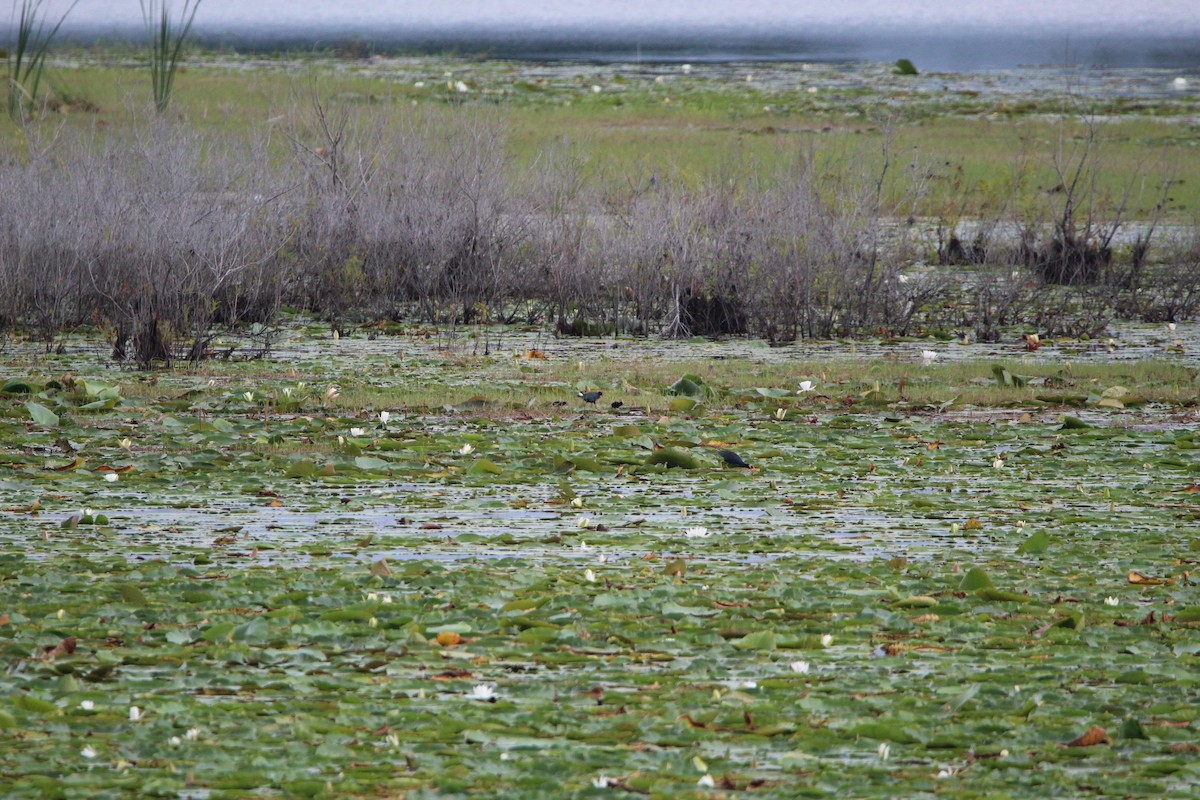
590 397
616 404
733 459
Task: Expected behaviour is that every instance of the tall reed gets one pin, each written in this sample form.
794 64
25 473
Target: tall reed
166 45
28 57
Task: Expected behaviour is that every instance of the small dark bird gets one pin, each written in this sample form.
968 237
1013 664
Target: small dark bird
733 459
616 404
590 397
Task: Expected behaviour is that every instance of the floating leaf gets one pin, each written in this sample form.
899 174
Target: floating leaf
371 463
1131 728
42 415
1091 737
672 457
1036 544
759 640
688 385
484 466
1139 579
975 579
917 601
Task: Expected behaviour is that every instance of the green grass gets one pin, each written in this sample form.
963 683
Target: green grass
700 128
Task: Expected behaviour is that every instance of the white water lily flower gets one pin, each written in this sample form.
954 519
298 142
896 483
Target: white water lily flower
175 741
88 752
135 714
806 386
743 685
800 667
902 278
482 691
946 773
384 416
707 782
392 740
61 613
1111 601
954 527
249 396
585 547
357 432
192 734
332 392
589 576
602 782
884 751
929 356
1170 327
585 522
111 477
87 705
577 502
698 532
373 622
781 413
826 640
466 449
125 443
341 440
287 391
603 559
998 463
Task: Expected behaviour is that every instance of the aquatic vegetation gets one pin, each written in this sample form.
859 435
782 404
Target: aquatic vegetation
256 607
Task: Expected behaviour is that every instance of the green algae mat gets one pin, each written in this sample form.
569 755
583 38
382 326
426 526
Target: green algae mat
406 568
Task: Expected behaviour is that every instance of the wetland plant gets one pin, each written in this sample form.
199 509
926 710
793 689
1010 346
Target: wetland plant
166 44
27 59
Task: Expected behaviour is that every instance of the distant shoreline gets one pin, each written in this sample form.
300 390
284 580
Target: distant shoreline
952 52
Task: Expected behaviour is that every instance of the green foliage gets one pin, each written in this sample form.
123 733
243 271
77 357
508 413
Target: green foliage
167 38
27 59
315 601
905 67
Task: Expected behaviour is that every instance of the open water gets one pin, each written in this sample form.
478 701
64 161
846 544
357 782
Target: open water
946 35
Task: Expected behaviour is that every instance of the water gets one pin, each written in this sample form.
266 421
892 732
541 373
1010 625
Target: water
954 35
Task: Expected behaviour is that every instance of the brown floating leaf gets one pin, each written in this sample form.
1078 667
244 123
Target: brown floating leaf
29 509
1193 487
972 525
1091 737
380 567
1140 579
1185 747
449 639
76 464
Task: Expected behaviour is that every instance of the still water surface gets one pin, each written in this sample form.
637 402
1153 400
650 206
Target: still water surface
936 34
